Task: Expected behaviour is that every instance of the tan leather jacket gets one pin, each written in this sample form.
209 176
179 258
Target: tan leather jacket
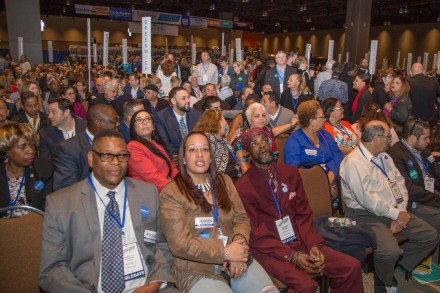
196 257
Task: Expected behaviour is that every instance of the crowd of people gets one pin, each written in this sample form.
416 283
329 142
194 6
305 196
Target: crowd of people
175 180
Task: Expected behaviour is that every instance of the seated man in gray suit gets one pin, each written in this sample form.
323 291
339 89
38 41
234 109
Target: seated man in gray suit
102 234
278 115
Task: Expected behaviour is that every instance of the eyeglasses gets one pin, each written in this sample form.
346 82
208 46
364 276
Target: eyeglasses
418 120
143 120
109 157
338 108
320 117
387 136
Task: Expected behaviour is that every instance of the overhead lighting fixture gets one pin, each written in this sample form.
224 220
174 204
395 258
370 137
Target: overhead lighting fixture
67 2
245 1
129 32
405 11
149 1
262 32
312 28
64 9
277 23
285 30
309 19
264 13
212 6
387 22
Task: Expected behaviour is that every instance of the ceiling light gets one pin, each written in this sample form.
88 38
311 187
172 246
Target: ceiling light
67 2
64 10
277 23
285 30
264 13
149 1
309 19
251 27
245 1
212 6
312 28
401 10
262 32
405 10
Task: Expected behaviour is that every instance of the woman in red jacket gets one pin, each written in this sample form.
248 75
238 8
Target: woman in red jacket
149 161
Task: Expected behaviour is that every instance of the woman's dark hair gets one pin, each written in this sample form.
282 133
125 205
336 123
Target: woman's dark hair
134 136
186 185
328 106
365 78
372 111
67 87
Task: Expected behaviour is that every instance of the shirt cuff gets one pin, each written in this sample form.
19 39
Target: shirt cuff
162 285
394 213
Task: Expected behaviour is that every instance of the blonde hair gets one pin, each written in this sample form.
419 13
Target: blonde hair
11 133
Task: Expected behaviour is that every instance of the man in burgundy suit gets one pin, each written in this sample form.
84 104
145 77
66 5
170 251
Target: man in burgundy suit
283 239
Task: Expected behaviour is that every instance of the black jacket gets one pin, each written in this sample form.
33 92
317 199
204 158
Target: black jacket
423 94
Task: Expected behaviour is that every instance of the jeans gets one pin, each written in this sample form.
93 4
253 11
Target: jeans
255 279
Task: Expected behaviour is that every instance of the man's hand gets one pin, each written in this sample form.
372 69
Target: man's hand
308 264
395 227
403 218
152 287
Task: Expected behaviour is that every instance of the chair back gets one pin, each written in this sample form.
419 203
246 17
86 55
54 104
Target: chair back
280 141
317 188
20 244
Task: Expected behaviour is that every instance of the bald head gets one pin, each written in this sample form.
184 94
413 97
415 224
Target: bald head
376 137
101 117
417 68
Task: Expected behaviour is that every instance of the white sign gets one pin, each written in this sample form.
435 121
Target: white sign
156 29
238 54
404 62
166 44
105 49
408 66
95 53
89 61
195 21
124 51
398 59
434 61
331 47
193 53
20 47
308 53
425 61
419 59
339 58
373 56
50 51
146 45
438 62
223 48
347 55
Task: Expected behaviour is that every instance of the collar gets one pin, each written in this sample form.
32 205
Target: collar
178 116
273 117
102 191
89 134
411 149
73 128
367 154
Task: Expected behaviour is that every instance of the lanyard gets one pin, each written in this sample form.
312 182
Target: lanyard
276 198
207 67
89 139
393 100
12 204
294 101
120 223
274 121
280 76
232 154
425 166
344 131
214 210
379 167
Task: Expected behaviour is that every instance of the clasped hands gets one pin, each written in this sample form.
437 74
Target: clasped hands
238 255
312 262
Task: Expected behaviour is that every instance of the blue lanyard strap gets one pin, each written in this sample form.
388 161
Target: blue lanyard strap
425 166
214 210
276 197
280 76
379 167
12 204
120 223
295 101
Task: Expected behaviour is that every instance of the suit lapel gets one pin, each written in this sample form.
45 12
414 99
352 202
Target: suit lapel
134 204
174 123
90 210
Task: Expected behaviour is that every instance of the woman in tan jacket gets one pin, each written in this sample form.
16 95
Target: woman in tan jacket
207 228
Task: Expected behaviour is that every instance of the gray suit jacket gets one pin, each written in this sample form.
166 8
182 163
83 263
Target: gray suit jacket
71 238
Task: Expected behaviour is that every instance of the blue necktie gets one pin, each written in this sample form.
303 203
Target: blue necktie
183 127
112 275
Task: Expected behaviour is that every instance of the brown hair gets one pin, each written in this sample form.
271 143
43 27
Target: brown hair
185 183
372 111
209 121
306 111
167 67
405 86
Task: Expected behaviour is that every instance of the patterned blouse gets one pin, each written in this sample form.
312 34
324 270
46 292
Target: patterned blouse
14 186
225 159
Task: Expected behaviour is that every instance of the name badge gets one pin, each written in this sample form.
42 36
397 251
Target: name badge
133 268
396 192
150 236
281 88
205 77
311 152
204 222
223 238
285 230
429 183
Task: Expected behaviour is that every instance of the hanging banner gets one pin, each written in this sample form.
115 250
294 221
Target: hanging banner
200 22
339 58
95 53
242 24
101 10
50 51
20 47
166 45
398 59
238 54
231 57
84 9
419 59
331 47
89 61
105 49
226 23
434 61
157 17
308 53
124 51
373 56
347 55
146 45
156 29
193 53
425 61
404 62
408 66
120 13
213 22
438 62
223 48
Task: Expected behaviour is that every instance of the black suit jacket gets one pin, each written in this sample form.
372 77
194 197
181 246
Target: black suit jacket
168 128
364 98
271 77
423 94
161 104
41 169
124 129
70 161
405 162
50 136
22 118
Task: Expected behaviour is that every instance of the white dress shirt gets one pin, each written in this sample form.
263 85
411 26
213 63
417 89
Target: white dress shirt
365 187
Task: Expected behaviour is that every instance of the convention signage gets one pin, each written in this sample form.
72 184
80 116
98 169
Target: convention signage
238 52
226 23
105 49
124 51
120 13
50 51
20 46
157 17
373 56
200 22
95 53
331 47
425 61
156 29
146 45
408 65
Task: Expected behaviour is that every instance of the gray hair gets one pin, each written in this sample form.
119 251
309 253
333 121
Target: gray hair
371 130
253 107
113 83
226 80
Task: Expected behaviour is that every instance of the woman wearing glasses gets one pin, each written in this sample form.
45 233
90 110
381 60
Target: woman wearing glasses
382 89
149 161
207 228
70 94
340 130
313 144
399 108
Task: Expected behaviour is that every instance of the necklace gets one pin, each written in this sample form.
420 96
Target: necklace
204 187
